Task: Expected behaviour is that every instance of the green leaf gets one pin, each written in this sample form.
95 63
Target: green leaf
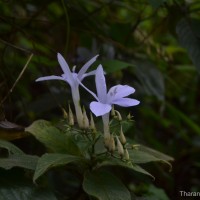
125 164
155 193
155 153
156 3
105 186
15 185
141 157
187 120
48 161
188 32
25 193
53 138
111 66
139 169
19 160
10 147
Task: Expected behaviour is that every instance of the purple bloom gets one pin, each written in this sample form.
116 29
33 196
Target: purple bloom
73 79
116 95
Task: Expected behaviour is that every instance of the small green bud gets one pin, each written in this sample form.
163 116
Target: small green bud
107 142
111 147
65 115
120 147
85 119
126 154
119 117
71 117
122 137
113 111
129 116
92 124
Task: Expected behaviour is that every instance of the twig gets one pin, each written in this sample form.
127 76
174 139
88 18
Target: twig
20 75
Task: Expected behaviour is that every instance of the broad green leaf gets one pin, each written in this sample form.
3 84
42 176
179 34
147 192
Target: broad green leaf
53 138
105 186
141 157
139 169
111 66
188 32
19 160
10 147
48 161
125 164
155 153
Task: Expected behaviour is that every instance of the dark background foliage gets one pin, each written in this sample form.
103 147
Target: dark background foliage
152 45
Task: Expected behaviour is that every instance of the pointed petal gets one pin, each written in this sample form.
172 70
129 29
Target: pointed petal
99 109
45 78
65 68
125 102
119 91
86 66
90 73
92 93
101 84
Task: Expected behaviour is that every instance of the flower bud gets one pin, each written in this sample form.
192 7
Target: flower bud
120 147
113 111
119 117
92 124
126 154
107 142
71 117
65 115
85 119
129 117
122 137
111 147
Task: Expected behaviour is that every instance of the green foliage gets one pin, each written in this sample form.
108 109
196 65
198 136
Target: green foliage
111 66
103 185
24 161
53 138
189 32
157 3
12 149
18 187
140 44
16 157
48 161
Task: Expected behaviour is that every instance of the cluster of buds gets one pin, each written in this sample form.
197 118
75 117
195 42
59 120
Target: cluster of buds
120 142
86 123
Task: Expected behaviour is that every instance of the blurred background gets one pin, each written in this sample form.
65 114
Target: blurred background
151 45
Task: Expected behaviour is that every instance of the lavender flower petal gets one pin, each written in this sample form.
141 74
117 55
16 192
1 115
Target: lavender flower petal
45 78
99 109
86 66
101 84
125 102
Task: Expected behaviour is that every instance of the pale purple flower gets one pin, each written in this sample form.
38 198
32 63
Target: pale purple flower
116 95
73 79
